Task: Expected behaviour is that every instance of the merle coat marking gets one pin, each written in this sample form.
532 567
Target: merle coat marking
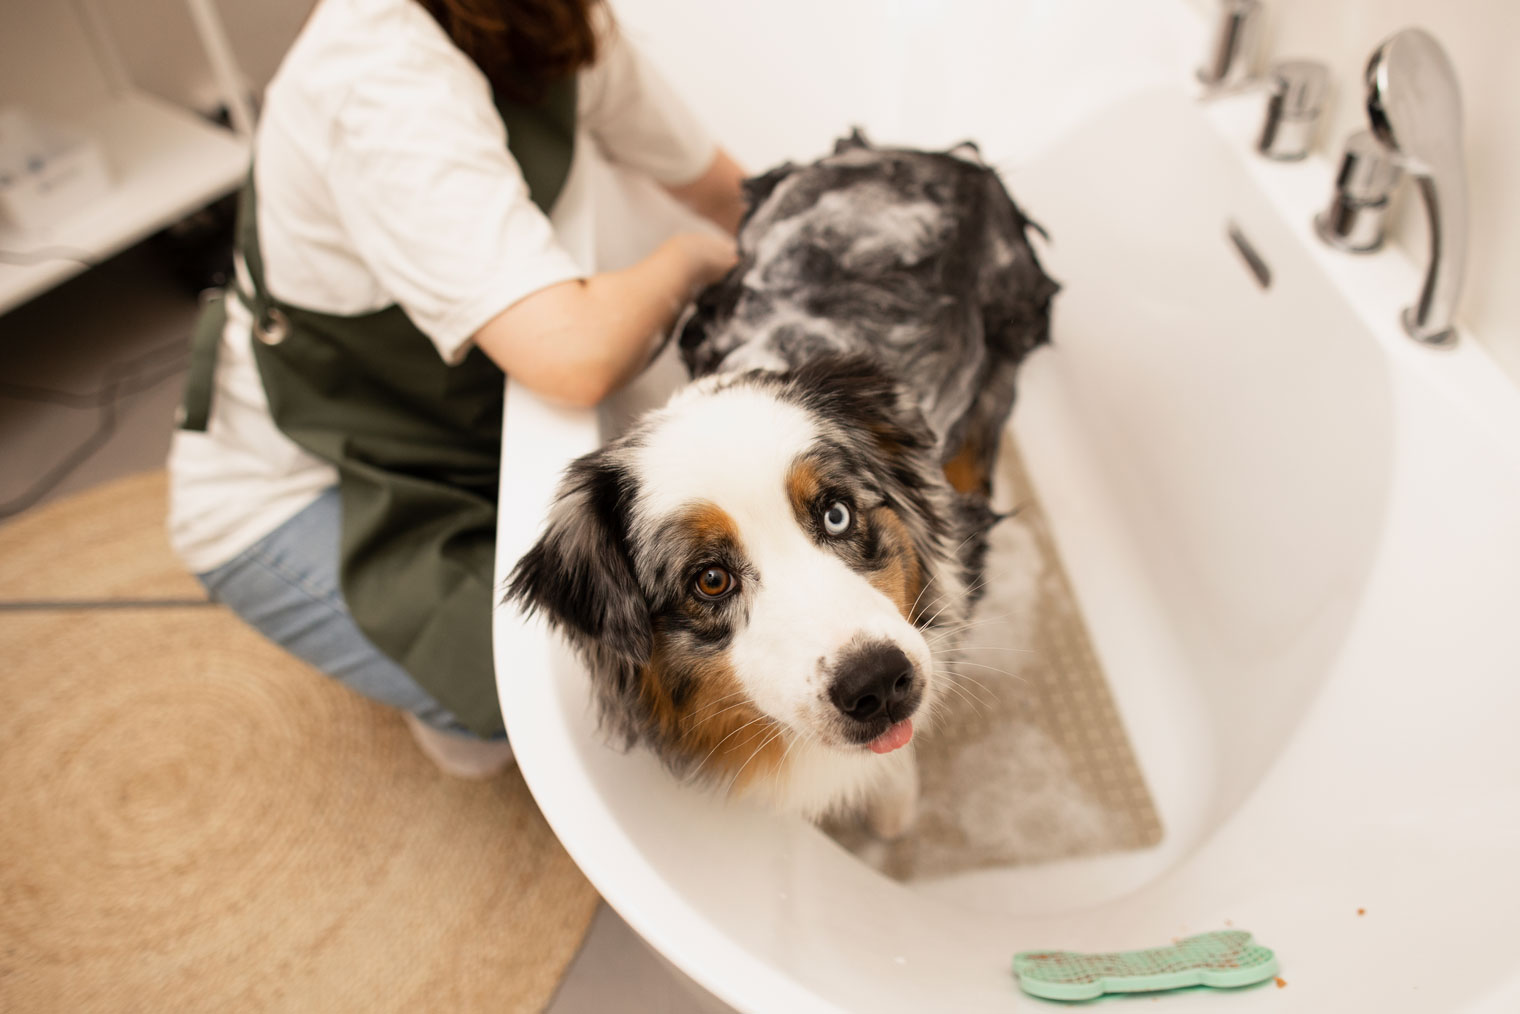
918 259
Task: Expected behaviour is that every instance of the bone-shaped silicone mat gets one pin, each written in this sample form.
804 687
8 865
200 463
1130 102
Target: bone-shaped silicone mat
1225 958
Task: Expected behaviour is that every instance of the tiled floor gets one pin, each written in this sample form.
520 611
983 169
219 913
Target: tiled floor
617 972
68 341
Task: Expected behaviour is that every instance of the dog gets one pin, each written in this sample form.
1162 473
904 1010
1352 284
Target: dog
759 575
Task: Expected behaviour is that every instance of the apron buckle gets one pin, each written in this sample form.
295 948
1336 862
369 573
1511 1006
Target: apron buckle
272 327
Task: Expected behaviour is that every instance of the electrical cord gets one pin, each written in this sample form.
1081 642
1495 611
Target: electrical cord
123 380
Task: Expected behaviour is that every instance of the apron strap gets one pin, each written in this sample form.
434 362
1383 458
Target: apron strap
205 343
541 138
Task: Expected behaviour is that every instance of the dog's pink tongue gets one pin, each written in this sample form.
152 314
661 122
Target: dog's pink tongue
897 736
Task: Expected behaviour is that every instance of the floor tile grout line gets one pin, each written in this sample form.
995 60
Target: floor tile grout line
76 605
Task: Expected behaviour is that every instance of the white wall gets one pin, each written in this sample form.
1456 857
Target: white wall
46 61
1481 36
158 43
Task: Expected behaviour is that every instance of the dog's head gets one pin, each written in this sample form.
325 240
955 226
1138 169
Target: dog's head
762 560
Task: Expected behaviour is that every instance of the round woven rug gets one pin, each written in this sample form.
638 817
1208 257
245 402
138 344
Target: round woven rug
192 820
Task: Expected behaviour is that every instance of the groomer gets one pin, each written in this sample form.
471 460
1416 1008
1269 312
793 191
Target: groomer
442 192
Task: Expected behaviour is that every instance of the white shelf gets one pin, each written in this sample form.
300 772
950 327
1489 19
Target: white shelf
164 162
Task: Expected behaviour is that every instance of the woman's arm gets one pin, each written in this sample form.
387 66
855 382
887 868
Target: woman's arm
578 341
717 195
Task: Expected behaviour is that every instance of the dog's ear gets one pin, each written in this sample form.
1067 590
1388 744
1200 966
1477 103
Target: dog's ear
967 151
758 188
1014 294
704 320
857 139
1014 289
579 573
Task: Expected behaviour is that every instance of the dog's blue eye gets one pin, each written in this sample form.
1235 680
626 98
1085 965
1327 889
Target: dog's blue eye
836 520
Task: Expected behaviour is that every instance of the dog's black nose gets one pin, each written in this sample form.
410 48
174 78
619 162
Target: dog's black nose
871 680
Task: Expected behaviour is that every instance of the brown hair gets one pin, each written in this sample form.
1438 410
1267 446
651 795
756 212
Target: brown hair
522 46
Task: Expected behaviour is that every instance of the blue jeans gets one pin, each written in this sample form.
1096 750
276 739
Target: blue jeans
286 587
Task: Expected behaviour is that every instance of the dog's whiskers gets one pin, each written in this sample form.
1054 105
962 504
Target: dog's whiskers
939 591
776 734
965 694
927 585
797 737
979 665
716 715
967 677
976 705
944 633
714 703
979 704
954 555
725 739
978 614
980 617
951 599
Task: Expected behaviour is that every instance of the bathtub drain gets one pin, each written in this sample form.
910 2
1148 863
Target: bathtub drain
1253 260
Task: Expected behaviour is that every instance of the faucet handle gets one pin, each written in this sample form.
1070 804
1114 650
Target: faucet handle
1299 91
1364 186
1232 48
1368 171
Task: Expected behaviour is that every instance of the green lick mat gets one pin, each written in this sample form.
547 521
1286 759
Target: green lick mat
1225 958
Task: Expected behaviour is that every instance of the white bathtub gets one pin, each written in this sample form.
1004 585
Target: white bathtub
1295 538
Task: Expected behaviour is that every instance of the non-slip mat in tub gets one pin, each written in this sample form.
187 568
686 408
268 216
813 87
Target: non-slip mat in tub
1029 761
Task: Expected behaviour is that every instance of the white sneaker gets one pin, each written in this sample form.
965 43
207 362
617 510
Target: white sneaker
460 756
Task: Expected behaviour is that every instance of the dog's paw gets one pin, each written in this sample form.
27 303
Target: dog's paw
892 812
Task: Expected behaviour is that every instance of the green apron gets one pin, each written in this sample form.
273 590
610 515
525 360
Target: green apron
416 443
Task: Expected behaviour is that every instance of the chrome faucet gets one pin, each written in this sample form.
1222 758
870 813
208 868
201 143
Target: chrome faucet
1229 62
1415 107
1297 89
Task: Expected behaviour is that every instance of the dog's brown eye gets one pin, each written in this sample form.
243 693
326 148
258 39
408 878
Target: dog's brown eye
714 583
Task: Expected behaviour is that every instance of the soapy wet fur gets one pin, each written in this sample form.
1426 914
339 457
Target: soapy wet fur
918 259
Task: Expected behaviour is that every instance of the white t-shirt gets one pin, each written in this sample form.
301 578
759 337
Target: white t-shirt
383 178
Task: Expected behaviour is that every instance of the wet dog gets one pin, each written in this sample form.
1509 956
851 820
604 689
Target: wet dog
760 573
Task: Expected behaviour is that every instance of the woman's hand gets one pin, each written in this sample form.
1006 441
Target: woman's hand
578 341
711 257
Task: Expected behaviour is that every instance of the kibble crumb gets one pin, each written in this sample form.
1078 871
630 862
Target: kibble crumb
1281 982
1361 911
